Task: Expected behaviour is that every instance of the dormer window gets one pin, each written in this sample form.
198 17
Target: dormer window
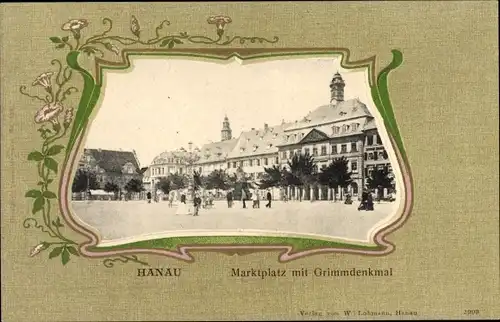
354 127
275 134
255 148
336 130
270 145
345 128
242 149
261 137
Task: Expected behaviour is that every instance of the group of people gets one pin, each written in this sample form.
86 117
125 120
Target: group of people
366 201
246 195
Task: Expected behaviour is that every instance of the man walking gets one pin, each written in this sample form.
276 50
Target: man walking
148 195
244 197
269 198
197 204
229 197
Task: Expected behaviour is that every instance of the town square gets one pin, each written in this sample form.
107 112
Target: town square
329 172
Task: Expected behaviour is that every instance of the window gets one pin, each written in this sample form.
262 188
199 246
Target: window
315 151
385 155
276 160
241 163
251 162
375 156
366 156
266 161
323 166
381 155
323 150
301 135
345 128
343 148
334 149
336 130
354 147
180 170
369 140
355 127
366 172
306 151
258 162
229 165
283 154
370 156
234 164
290 154
354 166
379 140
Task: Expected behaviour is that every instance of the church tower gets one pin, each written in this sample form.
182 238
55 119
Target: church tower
337 89
226 133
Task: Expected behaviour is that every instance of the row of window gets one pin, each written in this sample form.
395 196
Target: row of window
161 171
377 155
252 162
322 151
345 128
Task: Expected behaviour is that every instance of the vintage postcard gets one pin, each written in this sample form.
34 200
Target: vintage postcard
249 161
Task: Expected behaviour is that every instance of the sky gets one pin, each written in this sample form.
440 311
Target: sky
161 104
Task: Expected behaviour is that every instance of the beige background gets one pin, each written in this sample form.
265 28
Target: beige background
445 97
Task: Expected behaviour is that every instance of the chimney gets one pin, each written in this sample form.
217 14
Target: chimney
253 129
266 127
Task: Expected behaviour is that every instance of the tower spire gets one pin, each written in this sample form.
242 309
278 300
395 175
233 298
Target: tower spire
226 133
337 89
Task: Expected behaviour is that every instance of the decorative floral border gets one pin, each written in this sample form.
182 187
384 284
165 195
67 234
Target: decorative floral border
54 120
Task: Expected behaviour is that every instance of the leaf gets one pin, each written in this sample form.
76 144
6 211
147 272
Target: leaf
33 194
40 183
55 149
61 46
56 127
73 250
35 156
135 28
171 44
38 204
165 42
51 164
50 181
65 38
55 40
177 41
65 256
55 252
49 195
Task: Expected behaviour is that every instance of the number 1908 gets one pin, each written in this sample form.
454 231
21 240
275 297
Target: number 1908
471 312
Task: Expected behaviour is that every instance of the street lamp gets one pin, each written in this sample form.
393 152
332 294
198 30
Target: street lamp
189 159
87 175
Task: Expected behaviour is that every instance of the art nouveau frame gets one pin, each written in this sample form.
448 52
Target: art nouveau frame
52 130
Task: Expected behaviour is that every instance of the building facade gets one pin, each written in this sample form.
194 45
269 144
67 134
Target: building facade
337 129
112 166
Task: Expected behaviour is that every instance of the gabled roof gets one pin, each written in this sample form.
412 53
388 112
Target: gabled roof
216 151
332 113
113 161
314 136
259 141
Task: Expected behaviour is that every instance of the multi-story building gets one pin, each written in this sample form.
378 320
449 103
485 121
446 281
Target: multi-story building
117 167
337 129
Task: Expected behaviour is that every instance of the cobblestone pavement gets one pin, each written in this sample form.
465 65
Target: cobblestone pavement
122 219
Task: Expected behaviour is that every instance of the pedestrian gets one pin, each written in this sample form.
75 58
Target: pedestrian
229 197
255 198
269 198
244 197
364 200
369 202
148 195
170 199
197 204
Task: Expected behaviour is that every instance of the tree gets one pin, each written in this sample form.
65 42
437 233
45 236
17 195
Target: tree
134 185
111 187
273 177
218 179
164 185
379 179
177 181
199 180
82 179
336 174
302 173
